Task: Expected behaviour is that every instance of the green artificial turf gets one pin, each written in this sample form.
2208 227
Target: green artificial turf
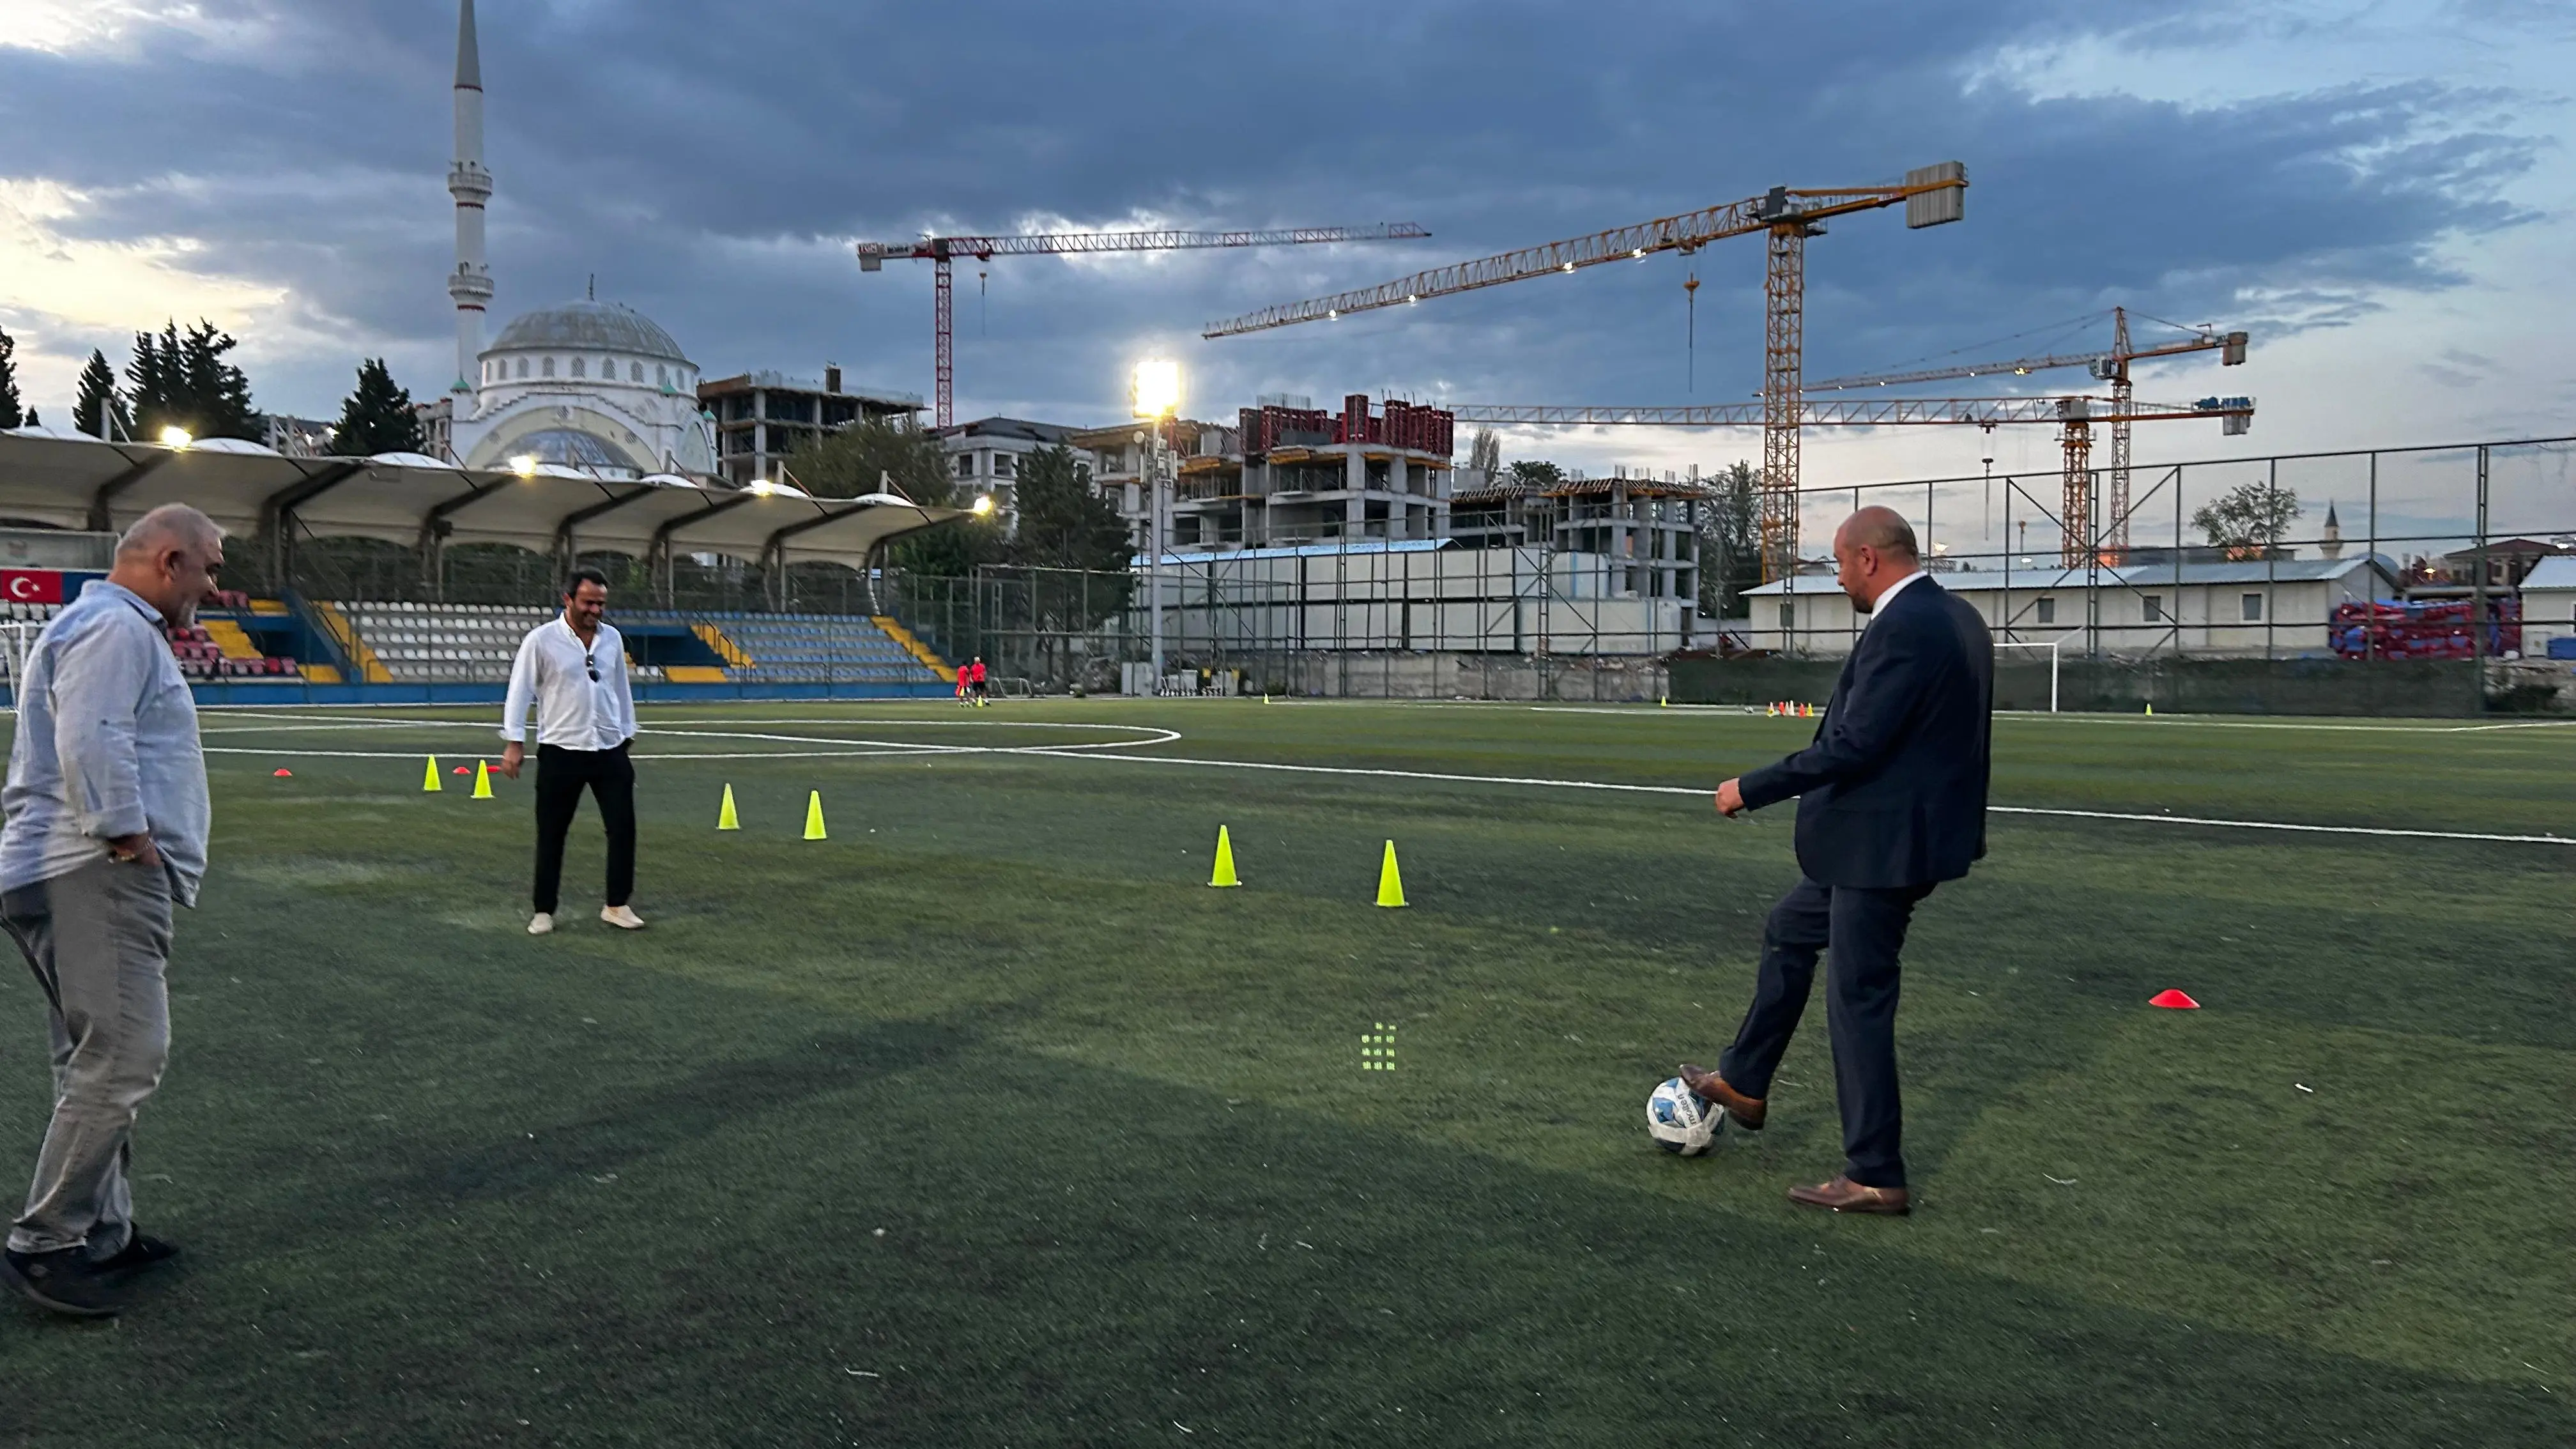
985 1122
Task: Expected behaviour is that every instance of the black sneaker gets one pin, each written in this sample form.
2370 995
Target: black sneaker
63 1280
140 1251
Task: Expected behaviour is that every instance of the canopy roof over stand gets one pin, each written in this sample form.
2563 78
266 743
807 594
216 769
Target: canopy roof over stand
65 480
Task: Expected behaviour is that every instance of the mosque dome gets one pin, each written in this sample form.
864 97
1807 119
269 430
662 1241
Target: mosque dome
588 326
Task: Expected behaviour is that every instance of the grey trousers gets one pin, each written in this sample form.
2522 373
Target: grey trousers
99 941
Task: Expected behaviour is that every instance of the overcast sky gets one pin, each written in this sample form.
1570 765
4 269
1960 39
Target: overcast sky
2381 193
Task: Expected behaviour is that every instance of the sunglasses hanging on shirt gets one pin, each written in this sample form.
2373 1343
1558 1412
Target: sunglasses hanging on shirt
587 662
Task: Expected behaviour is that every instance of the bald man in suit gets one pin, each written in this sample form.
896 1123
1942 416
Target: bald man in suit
1891 802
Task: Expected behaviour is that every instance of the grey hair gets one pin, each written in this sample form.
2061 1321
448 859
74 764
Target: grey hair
172 525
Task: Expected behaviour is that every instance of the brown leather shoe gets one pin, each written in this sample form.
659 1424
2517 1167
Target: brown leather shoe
1846 1196
1710 1087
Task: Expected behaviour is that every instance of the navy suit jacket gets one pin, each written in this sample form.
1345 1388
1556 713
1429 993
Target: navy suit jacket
1893 791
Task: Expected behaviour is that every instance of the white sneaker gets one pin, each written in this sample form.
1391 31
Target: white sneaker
541 924
623 917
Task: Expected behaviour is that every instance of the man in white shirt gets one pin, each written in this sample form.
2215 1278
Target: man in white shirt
573 668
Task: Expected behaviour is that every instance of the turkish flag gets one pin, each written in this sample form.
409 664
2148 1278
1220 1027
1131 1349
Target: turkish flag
31 586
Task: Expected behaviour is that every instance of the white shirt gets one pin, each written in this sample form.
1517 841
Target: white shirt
553 672
1889 597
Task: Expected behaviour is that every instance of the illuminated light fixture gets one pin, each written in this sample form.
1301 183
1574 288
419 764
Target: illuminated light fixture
175 437
1410 297
984 506
524 464
761 488
1569 266
1156 389
1332 314
2021 372
1639 254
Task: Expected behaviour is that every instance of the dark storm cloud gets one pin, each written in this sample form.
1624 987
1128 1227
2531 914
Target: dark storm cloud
709 163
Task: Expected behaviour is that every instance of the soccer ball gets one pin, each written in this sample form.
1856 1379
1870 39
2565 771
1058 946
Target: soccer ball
1679 1121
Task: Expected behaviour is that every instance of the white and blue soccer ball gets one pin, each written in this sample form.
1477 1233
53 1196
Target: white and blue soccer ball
1679 1121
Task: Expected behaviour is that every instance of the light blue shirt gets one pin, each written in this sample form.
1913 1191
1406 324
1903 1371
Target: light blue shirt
106 746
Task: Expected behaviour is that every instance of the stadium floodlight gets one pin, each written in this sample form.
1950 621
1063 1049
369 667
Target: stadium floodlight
1156 391
524 464
176 437
984 505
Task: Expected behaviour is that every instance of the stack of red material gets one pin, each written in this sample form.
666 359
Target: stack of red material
2431 629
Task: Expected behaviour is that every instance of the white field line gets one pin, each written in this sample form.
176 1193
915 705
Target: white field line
679 755
1697 791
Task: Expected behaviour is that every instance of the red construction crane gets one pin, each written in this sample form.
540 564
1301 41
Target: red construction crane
2073 414
2077 436
943 249
1932 195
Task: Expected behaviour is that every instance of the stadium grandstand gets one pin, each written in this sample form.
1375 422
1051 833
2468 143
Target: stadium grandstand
290 639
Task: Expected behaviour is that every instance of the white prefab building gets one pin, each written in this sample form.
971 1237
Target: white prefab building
2548 605
1413 594
2265 609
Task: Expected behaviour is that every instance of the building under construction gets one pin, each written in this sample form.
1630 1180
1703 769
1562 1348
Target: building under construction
1645 531
1289 473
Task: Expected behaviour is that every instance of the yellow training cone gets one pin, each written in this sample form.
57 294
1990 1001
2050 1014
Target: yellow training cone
2151 706
482 779
429 782
814 816
725 818
1224 875
1390 881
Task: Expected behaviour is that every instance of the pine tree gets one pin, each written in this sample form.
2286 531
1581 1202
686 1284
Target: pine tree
98 411
377 418
181 380
10 414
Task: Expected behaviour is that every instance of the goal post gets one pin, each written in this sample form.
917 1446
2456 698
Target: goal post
2051 645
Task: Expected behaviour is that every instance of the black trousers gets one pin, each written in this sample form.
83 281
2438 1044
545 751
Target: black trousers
1861 932
561 777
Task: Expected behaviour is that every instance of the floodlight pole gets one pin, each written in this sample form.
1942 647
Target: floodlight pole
1154 531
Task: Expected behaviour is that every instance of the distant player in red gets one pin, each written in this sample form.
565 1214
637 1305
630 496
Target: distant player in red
975 672
965 680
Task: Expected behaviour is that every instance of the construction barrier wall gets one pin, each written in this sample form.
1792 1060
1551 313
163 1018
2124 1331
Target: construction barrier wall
2441 688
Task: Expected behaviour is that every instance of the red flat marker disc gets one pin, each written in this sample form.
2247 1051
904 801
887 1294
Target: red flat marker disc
2173 1001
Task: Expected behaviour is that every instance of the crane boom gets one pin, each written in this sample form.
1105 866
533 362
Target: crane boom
1786 216
2110 366
941 251
1068 243
1687 232
2203 340
1870 413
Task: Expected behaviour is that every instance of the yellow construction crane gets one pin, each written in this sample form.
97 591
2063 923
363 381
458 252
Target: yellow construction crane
1787 215
2075 434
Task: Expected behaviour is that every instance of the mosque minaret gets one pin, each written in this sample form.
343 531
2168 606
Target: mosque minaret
471 283
590 386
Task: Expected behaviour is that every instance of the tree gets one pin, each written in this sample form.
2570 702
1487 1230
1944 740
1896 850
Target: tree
873 455
1063 524
1730 550
377 417
1486 452
1537 473
2250 521
878 454
98 411
181 380
10 414
1076 549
